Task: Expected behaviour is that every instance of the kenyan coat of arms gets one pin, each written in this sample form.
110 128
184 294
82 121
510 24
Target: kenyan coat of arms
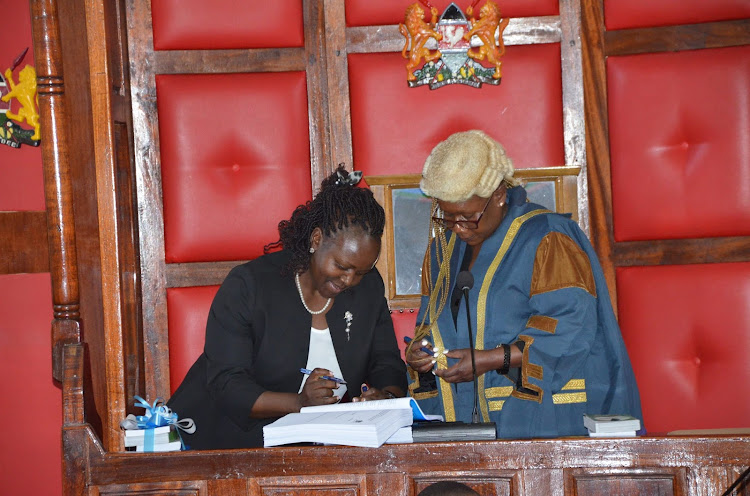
452 50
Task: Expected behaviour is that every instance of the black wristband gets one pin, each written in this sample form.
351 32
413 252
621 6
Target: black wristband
506 359
389 394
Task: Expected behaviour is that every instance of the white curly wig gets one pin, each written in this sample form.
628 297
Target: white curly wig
466 164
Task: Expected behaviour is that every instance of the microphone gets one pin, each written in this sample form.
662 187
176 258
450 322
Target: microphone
459 431
465 281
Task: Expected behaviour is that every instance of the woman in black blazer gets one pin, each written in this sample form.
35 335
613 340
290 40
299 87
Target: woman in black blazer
317 304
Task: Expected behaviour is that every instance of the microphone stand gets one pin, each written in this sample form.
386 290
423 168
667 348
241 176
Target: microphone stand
475 411
460 431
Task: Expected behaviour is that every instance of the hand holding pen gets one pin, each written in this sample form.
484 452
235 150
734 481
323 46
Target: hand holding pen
326 377
317 389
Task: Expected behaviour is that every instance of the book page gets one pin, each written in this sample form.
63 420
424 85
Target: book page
389 404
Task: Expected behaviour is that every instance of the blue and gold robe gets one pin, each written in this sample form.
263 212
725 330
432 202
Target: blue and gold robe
537 283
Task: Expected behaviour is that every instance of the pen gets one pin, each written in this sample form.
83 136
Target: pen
326 377
408 340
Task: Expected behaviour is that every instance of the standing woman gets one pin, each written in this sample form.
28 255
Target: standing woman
547 344
316 304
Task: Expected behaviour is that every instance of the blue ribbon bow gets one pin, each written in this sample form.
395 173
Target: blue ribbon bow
157 415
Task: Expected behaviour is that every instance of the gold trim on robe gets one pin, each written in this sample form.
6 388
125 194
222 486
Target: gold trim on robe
484 291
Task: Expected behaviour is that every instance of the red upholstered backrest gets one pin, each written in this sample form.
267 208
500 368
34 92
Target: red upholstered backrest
235 160
682 168
687 330
197 24
623 14
188 310
395 127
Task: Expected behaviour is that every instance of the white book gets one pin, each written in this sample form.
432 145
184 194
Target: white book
401 436
160 447
356 427
161 435
611 423
389 404
612 434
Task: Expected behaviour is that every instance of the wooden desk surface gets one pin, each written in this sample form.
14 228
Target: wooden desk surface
580 466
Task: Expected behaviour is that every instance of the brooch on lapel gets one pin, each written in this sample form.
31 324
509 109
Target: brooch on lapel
348 317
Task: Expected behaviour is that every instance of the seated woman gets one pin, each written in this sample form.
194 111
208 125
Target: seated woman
317 304
548 347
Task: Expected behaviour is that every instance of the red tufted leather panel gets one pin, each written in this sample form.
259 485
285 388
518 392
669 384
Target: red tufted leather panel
687 330
362 13
680 153
235 160
404 322
223 24
622 14
32 404
187 310
395 127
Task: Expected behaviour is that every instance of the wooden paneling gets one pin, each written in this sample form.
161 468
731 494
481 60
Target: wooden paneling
682 251
226 61
650 465
58 190
598 44
23 242
674 38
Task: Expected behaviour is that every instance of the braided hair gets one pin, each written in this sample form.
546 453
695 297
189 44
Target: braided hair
338 205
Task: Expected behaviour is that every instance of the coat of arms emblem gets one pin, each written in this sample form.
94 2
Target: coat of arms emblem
450 50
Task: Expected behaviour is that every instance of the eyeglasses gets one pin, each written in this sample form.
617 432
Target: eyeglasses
466 224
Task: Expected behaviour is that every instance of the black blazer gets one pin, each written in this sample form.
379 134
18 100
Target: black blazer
257 339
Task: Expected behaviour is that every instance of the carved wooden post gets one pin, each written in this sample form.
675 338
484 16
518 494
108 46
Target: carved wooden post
57 182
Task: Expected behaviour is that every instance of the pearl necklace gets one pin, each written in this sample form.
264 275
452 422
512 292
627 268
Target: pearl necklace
301 297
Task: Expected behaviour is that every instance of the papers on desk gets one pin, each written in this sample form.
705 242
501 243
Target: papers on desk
364 423
357 427
390 404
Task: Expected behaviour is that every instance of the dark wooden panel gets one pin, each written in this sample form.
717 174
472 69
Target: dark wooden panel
319 126
682 251
148 190
597 139
655 482
23 242
199 274
224 61
674 38
58 185
485 482
315 485
181 488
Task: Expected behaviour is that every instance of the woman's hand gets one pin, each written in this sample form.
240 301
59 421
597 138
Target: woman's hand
371 393
486 360
318 391
419 360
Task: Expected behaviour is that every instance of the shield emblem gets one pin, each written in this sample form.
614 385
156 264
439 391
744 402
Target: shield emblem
453 47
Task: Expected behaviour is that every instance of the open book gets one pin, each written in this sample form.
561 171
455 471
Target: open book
356 427
390 404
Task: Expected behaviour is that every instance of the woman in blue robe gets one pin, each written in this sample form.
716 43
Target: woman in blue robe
548 348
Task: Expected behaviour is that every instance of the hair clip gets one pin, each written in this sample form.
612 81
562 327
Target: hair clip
351 179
